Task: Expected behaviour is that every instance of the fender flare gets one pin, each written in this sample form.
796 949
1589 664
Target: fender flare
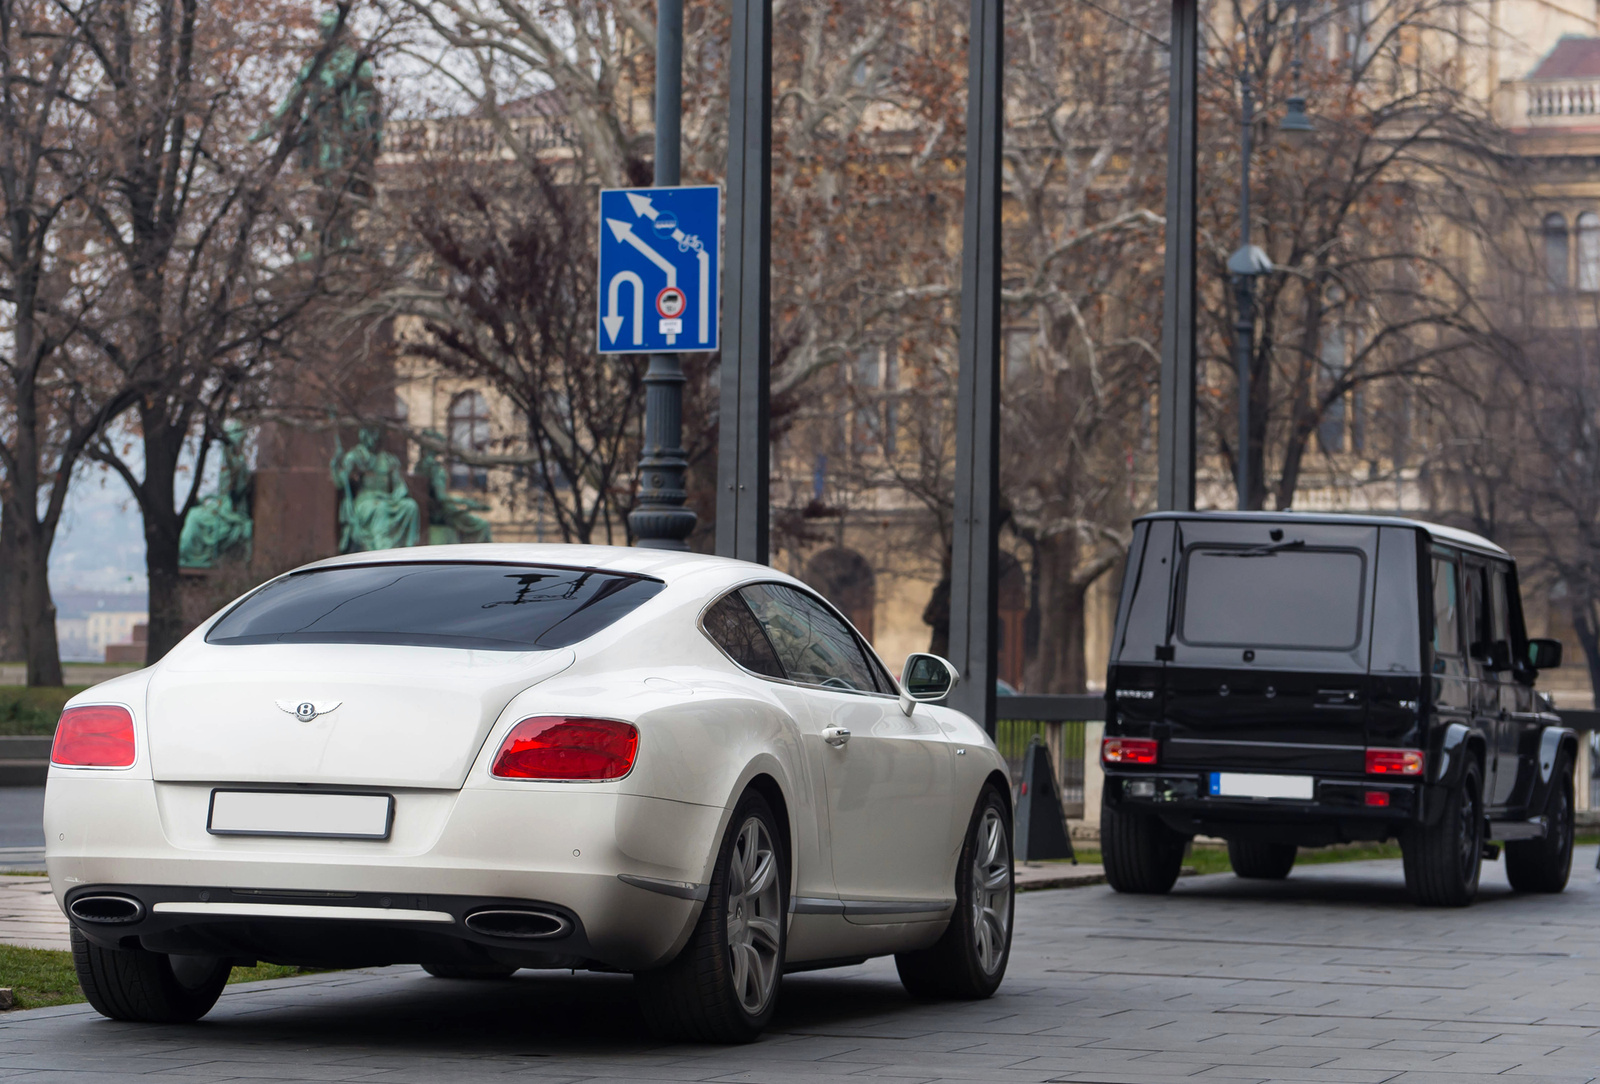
1449 755
1554 742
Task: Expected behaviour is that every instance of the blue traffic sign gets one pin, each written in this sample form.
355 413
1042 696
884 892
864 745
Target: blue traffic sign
659 250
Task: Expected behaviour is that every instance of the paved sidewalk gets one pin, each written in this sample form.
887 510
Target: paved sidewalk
29 916
1330 976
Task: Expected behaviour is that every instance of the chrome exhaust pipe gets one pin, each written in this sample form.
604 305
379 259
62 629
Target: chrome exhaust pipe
106 910
517 924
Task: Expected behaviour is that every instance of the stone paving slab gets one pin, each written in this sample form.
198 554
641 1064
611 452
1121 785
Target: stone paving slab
29 916
1329 977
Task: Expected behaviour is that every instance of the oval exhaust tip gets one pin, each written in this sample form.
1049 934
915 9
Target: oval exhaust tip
518 925
106 910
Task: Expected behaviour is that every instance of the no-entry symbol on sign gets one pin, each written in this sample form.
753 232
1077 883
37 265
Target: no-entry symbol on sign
670 302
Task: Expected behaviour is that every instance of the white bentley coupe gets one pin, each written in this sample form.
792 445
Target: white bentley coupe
491 757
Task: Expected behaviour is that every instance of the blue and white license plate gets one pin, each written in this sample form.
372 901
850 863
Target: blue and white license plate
1259 785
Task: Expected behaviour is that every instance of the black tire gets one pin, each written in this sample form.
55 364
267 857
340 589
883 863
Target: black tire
1261 861
491 972
1442 861
969 960
1543 865
147 987
706 994
1141 854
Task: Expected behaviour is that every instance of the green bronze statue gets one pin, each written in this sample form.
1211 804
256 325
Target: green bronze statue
450 519
219 526
376 510
342 131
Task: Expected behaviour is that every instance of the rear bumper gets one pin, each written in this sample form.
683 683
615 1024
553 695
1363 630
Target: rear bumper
1337 812
400 900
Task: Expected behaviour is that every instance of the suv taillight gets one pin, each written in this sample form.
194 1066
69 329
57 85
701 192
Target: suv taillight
1128 751
559 747
1394 761
99 736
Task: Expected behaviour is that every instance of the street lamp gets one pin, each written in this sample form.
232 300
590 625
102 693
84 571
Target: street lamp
1244 265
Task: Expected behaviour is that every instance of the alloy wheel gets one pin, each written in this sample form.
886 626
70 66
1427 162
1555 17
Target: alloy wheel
991 891
755 907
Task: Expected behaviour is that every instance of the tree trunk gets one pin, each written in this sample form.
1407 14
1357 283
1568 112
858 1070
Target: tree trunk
163 528
38 611
1058 666
1588 631
10 590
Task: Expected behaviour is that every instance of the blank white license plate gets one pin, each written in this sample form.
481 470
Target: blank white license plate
296 813
1253 785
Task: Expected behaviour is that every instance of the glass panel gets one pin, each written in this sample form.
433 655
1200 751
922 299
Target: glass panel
1589 251
734 629
480 606
1306 599
814 646
1446 630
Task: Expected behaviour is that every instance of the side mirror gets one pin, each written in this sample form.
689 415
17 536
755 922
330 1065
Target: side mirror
925 679
1544 654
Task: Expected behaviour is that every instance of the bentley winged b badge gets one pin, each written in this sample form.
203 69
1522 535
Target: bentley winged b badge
307 710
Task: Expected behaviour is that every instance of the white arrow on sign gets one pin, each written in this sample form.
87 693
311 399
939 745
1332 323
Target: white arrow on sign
705 296
625 234
613 322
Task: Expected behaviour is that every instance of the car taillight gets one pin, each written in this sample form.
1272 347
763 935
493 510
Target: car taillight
1128 751
100 736
1394 761
559 747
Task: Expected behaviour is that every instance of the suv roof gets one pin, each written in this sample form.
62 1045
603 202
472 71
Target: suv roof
1453 535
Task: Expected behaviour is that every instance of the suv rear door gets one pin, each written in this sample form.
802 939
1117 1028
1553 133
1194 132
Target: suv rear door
1269 644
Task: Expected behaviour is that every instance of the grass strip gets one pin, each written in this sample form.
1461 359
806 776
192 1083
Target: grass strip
33 711
42 977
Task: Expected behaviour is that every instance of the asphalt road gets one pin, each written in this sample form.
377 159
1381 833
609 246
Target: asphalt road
1330 976
21 817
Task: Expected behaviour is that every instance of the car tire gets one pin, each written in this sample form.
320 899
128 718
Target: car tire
723 986
1543 865
147 987
969 959
1140 853
1261 861
1442 861
490 972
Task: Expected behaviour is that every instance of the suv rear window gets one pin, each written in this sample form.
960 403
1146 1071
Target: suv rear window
485 607
1289 596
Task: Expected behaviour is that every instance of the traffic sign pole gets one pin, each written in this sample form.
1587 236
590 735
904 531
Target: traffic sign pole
662 520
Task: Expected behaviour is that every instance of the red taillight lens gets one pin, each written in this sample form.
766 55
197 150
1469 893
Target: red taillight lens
100 736
558 747
1394 761
1128 751
1377 798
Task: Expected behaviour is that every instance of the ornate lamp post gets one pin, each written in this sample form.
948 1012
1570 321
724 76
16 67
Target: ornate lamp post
661 521
1249 261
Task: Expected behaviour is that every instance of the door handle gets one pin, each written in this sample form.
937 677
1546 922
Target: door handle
835 735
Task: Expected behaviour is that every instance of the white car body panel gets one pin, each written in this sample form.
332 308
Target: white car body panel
875 826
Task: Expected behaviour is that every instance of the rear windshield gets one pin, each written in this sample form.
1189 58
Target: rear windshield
1297 598
479 606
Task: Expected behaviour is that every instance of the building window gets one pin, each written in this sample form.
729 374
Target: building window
1555 251
469 431
1330 434
1589 251
873 380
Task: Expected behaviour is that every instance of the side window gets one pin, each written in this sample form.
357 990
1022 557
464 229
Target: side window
1446 606
1499 608
1476 582
815 647
732 626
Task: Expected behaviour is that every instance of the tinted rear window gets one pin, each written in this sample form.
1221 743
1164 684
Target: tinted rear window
1302 598
479 606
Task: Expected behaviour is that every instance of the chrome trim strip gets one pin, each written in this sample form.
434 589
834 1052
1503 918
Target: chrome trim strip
897 907
812 905
683 890
300 910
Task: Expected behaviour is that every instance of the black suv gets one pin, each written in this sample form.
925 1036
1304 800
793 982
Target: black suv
1284 680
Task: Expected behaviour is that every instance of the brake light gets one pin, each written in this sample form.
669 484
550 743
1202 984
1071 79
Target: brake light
559 747
1394 761
1128 751
99 736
